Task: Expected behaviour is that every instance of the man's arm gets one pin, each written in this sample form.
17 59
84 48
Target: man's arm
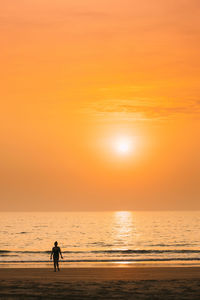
60 253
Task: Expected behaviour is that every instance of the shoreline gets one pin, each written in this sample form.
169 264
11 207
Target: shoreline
100 264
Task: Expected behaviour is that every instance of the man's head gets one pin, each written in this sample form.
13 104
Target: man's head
56 244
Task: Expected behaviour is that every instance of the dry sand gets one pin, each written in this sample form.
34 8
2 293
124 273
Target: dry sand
101 283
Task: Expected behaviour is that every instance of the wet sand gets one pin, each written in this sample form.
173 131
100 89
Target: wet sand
101 283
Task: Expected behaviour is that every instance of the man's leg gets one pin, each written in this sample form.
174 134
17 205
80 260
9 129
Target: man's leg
54 261
58 265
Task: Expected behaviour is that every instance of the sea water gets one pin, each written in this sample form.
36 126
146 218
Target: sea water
118 237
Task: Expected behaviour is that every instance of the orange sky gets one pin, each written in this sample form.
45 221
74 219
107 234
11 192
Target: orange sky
78 75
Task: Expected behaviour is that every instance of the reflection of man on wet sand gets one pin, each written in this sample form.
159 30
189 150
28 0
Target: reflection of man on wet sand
56 252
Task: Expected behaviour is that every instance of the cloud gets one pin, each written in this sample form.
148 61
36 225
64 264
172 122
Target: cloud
143 109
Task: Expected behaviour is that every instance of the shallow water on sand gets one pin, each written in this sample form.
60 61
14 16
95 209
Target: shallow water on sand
109 237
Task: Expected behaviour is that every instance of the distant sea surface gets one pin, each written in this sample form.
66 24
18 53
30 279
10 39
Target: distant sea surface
100 237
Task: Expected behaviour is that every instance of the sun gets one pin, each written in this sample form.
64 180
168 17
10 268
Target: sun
123 145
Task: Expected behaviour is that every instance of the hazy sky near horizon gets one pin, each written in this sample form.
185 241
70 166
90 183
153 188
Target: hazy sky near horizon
100 104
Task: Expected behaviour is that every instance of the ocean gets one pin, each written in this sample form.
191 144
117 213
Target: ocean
111 238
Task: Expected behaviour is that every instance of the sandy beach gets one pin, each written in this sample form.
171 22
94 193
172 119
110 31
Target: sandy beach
101 283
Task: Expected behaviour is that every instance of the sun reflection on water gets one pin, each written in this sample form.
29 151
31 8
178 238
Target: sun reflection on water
124 228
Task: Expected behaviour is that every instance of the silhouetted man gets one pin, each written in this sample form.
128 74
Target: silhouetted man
56 252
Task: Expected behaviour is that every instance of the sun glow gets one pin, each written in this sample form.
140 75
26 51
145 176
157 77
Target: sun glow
123 145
